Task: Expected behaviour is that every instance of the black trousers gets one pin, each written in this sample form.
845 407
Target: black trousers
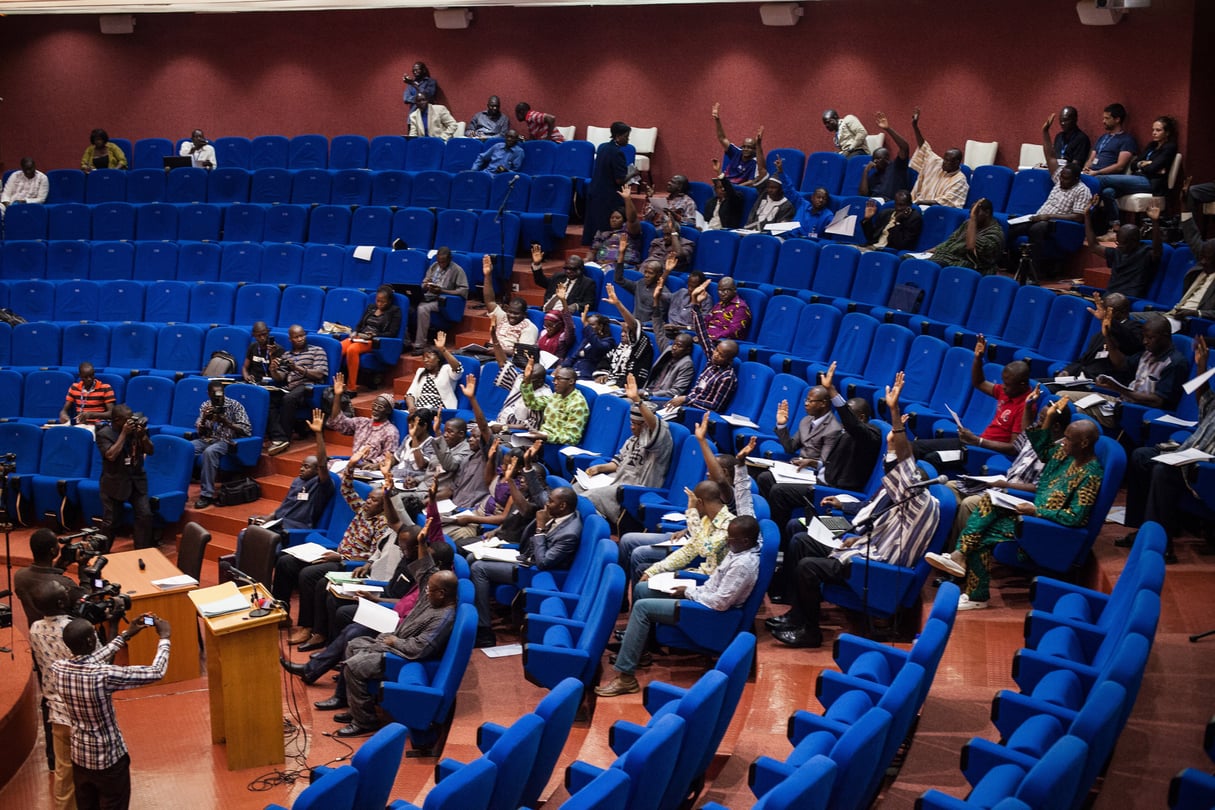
1153 491
283 412
809 566
108 789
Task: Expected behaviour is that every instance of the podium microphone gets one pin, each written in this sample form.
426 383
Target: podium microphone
240 576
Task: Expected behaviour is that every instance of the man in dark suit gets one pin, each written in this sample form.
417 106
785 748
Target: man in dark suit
123 445
1113 312
896 228
582 294
549 544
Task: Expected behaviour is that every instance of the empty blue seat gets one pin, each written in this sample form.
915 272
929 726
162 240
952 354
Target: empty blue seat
813 338
44 390
322 265
166 302
539 157
425 154
508 193
301 305
951 302
268 152
939 222
198 261
351 187
148 261
824 169
391 187
211 302
548 210
122 301
77 300
152 396
329 224
286 223
66 459
244 222
282 263
233 151
24 260
992 182
387 152
68 260
146 186
69 221
574 159
186 185
179 351
371 225
149 153
156 222
348 152
835 273
344 305
86 342
414 226
32 299
132 347
715 252
431 189
405 267
105 185
25 222
755 259
308 152
66 186
310 186
363 274
114 221
240 262
469 190
850 349
199 222
256 302
455 229
227 183
270 185
459 154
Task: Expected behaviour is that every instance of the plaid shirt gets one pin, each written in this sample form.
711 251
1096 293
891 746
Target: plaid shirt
85 684
716 384
239 429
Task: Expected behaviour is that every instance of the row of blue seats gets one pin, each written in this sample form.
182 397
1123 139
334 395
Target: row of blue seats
65 219
571 158
1192 789
1079 674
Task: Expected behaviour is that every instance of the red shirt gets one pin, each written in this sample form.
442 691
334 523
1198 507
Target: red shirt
95 401
1007 422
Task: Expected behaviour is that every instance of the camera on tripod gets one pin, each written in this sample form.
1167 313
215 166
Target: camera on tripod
105 600
79 547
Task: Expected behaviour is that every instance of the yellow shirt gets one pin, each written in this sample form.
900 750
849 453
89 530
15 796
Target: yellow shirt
117 159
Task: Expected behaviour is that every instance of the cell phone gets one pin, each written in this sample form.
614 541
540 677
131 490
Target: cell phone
149 621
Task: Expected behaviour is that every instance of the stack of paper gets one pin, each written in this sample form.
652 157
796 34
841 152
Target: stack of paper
228 604
739 421
666 582
351 589
1003 500
589 482
569 451
175 582
1183 457
483 550
786 473
307 552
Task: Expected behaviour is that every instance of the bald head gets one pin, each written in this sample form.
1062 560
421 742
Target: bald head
708 492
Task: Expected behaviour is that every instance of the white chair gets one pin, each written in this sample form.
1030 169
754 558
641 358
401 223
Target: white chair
644 140
566 132
979 153
1032 155
598 135
1141 202
875 142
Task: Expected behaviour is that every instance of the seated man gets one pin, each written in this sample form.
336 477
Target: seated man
88 399
581 293
501 157
489 123
306 497
1067 490
201 153
884 175
296 370
716 384
540 126
508 325
514 411
847 465
729 317
420 636
443 277
812 215
219 424
1157 374
1153 490
1010 396
729 586
256 368
1114 150
739 165
678 203
940 181
670 250
814 439
565 412
28 186
647 294
1071 144
1133 265
1113 310
642 460
678 316
724 210
673 371
707 515
900 521
848 133
1198 298
549 543
977 243
376 432
431 119
896 228
770 207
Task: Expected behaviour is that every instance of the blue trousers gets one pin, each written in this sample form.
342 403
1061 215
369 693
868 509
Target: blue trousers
211 451
649 608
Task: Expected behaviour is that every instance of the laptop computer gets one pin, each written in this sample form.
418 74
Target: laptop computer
178 162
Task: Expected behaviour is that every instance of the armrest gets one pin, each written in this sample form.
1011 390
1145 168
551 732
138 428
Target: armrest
557 663
1050 545
1030 667
535 596
832 685
488 734
412 705
622 735
1010 710
936 800
248 450
658 694
704 625
848 648
579 774
1038 623
803 723
388 349
540 623
980 757
446 768
766 773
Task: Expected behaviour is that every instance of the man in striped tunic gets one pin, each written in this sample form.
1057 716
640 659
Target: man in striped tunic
899 536
89 398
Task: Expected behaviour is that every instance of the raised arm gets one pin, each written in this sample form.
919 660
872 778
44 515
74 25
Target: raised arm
317 426
915 126
632 225
977 379
721 133
761 169
884 125
898 434
1048 147
448 357
487 285
629 321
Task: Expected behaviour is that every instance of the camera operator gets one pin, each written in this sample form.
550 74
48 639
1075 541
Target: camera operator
261 351
123 445
219 424
85 683
44 547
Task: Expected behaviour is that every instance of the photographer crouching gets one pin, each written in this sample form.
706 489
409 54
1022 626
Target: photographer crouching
123 445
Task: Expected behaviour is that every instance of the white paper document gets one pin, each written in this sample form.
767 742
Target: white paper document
957 420
571 451
447 507
1183 457
175 582
503 650
1002 499
592 481
666 582
844 497
600 388
756 461
1090 401
1169 419
376 617
983 479
307 552
229 604
1021 219
668 413
775 228
822 534
786 473
1192 386
739 421
841 223
949 455
675 517
484 550
364 252
355 588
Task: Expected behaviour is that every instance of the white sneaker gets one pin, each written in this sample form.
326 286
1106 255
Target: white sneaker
946 563
965 603
278 447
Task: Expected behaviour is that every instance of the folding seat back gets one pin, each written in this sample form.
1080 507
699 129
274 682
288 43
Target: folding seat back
993 300
370 225
391 187
270 185
470 190
69 221
147 261
86 342
77 300
993 182
105 185
268 152
322 265
795 267
715 252
363 274
146 186
344 305
755 259
953 383
166 302
227 183
149 154
152 396
65 186
156 221
282 264
301 305
132 346
23 260
240 262
348 152
308 152
922 274
1066 328
815 334
329 224
114 221
851 347
780 323
387 152
32 299
875 274
793 161
286 223
121 301
179 349
66 260
539 157
552 194
351 187
211 302
244 222
189 393
44 392
198 261
405 267
431 188
67 454
890 346
456 229
495 235
508 193
1027 318
460 153
415 227
939 222
6 348
25 222
825 170
424 154
233 151
836 270
753 382
1030 188
311 187
231 339
199 222
851 184
954 294
923 366
186 185
574 159
256 302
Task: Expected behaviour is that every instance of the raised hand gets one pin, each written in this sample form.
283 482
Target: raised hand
339 384
537 253
441 341
1033 395
749 447
469 388
882 121
1049 120
782 412
779 163
624 245
1153 213
670 264
1201 353
716 109
716 164
529 368
915 115
893 391
317 423
630 388
610 289
759 134
386 465
702 428
487 266
980 347
828 381
871 207
661 282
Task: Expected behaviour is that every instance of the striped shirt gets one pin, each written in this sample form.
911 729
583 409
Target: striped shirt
901 535
92 400
85 684
933 184
716 384
309 358
539 130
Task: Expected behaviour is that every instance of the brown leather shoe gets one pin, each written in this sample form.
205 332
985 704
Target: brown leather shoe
299 635
620 685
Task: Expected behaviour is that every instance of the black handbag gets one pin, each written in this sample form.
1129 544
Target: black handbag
235 493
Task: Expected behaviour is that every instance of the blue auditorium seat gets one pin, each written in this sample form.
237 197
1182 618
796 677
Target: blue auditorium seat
114 221
824 169
504 188
66 186
270 185
794 161
344 305
44 390
146 186
952 298
199 222
232 151
301 304
783 388
269 152
244 222
68 260
460 153
179 351
86 342
378 759
387 153
211 302
25 222
548 210
256 302
308 152
186 185
282 263
132 347
231 339
574 160
755 259
363 274
146 261
471 788
149 153
77 300
415 226
849 351
310 186
391 187
1030 188
815 333
105 185
329 225
993 301
24 441
649 764
286 223
514 752
240 262
835 275
198 261
994 183
32 299
431 188
69 221
351 187
156 222
455 229
227 183
851 185
470 190
322 265
495 236
152 396
405 267
348 152
66 459
539 157
371 225
424 154
166 302
715 252
333 791
123 301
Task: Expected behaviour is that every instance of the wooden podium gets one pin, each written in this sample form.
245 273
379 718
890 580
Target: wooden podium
243 679
171 604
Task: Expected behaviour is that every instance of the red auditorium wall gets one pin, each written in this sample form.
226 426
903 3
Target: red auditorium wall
984 70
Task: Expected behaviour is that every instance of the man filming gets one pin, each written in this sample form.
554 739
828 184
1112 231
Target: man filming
123 445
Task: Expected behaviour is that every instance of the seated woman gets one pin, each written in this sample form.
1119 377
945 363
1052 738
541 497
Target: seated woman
380 319
434 384
1149 172
558 333
591 354
633 355
1066 492
724 210
516 490
102 154
620 243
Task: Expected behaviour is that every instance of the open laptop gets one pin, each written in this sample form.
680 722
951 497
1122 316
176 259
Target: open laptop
178 162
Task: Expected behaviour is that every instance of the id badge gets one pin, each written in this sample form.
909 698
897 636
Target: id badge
303 496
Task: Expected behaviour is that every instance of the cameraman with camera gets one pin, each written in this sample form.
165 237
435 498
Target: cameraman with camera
123 444
261 351
296 370
219 424
44 548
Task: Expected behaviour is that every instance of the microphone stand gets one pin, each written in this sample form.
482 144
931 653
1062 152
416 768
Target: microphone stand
500 219
868 524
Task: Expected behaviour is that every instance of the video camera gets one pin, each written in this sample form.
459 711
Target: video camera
105 600
79 547
138 420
